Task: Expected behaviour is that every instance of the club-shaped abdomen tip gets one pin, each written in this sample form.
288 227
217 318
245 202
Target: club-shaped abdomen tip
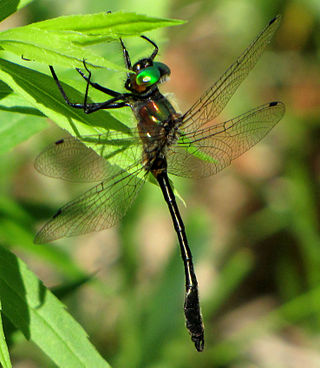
200 345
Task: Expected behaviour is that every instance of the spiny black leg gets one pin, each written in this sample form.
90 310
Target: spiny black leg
126 56
87 87
156 49
96 85
113 103
110 104
127 63
66 98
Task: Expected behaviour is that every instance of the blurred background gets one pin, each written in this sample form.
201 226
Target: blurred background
253 228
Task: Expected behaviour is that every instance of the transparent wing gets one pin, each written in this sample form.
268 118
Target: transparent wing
206 151
97 209
213 101
72 160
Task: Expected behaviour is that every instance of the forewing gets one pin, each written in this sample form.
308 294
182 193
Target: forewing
97 209
70 159
207 151
213 101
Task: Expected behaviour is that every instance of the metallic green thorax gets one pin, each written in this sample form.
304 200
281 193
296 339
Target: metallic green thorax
153 112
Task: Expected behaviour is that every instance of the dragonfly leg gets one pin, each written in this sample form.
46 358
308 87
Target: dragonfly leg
156 49
110 104
88 108
97 86
126 56
66 98
127 62
92 107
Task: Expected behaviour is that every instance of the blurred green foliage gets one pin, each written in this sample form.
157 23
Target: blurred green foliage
253 229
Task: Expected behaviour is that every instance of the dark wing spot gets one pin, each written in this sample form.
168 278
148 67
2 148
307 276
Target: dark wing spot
275 103
57 214
60 141
272 20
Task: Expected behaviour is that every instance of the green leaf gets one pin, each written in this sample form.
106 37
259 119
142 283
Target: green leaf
4 353
100 27
16 234
42 318
41 92
8 7
50 47
15 103
11 101
16 128
69 288
61 40
22 3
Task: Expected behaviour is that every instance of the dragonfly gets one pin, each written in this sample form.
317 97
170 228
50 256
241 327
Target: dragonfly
163 142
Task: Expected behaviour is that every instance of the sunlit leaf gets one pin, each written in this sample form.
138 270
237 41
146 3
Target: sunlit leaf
42 318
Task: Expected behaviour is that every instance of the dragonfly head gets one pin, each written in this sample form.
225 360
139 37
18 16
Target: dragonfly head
147 74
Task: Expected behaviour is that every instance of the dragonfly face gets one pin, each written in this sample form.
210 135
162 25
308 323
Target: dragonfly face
188 145
146 72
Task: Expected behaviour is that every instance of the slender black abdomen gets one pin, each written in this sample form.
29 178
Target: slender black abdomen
192 311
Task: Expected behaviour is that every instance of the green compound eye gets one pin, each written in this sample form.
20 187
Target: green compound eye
148 76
